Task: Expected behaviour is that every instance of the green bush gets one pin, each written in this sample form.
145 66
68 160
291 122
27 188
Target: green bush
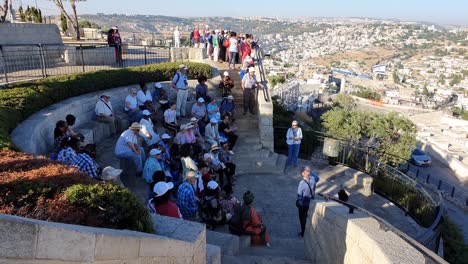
114 206
455 248
24 99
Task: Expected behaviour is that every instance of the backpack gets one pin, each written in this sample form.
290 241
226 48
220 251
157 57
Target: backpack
178 77
226 43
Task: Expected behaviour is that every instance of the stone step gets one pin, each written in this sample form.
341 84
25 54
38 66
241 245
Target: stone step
229 244
213 254
243 259
279 247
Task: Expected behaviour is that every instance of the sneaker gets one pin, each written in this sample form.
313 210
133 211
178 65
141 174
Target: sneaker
267 244
231 152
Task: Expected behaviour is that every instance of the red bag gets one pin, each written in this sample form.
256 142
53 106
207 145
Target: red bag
226 43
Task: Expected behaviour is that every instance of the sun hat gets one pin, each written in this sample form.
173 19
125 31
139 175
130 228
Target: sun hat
214 147
201 100
230 97
135 125
214 120
226 73
191 174
188 126
146 112
161 188
158 85
165 136
251 69
212 185
193 119
155 152
182 66
110 173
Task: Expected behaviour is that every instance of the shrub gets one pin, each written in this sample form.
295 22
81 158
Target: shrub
455 248
24 99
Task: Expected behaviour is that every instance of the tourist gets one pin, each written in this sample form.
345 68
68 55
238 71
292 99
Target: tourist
144 98
60 136
166 144
229 202
161 204
249 83
213 110
201 90
218 167
196 130
180 83
209 41
131 106
246 47
114 40
82 161
170 120
179 138
233 50
127 147
228 106
199 112
204 170
248 62
67 154
226 130
216 46
147 130
226 84
293 139
160 96
152 165
211 211
226 158
212 132
105 113
71 119
176 37
222 48
196 37
188 163
246 220
186 199
305 193
158 176
191 139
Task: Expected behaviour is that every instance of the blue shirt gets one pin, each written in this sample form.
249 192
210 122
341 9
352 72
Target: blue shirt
211 107
151 165
303 189
186 201
226 106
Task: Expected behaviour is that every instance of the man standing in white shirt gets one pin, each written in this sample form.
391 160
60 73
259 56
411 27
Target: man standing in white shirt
105 113
176 37
180 83
127 147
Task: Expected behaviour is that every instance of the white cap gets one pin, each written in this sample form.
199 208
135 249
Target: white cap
182 66
158 85
230 97
207 156
201 100
212 185
213 120
146 112
161 188
226 73
248 59
109 173
193 119
165 136
251 69
155 152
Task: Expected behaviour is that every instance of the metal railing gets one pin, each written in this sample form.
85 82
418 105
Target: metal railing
422 202
259 59
28 62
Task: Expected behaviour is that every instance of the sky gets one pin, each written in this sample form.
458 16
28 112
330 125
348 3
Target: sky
437 11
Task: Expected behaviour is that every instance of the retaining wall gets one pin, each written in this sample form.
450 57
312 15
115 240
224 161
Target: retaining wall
29 33
335 236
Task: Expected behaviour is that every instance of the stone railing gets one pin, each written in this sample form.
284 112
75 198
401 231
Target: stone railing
32 241
35 134
333 235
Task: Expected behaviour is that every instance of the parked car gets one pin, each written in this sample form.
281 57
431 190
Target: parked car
420 158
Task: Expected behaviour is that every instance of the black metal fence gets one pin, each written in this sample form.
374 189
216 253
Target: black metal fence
29 62
421 201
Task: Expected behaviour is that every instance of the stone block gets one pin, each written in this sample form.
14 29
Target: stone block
110 247
163 246
229 244
18 239
64 244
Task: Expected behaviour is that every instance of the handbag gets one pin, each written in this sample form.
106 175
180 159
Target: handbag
305 201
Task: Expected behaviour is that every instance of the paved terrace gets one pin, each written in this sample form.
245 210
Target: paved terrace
275 192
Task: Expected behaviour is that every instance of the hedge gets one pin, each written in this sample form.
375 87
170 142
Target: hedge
24 99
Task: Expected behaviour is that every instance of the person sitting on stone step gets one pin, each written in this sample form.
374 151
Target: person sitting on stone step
211 211
127 147
186 199
226 84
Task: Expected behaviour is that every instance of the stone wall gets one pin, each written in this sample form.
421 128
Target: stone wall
30 34
32 241
265 120
188 54
335 236
35 134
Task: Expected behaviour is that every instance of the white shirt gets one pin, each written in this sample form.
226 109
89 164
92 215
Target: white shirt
101 108
133 102
249 81
170 115
290 134
180 80
148 127
122 143
143 97
233 45
176 34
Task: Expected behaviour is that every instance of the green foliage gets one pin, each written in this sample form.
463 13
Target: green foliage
344 101
455 79
396 135
63 23
24 99
274 80
87 24
455 248
365 92
458 112
31 15
115 205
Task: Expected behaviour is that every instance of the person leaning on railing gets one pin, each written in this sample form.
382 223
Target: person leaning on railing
249 83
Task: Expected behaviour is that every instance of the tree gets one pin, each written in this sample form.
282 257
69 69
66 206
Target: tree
74 20
63 23
396 78
4 11
344 101
21 13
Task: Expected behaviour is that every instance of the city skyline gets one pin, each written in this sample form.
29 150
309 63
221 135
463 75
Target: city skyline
440 12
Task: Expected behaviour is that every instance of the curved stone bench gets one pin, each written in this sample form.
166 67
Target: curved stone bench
35 135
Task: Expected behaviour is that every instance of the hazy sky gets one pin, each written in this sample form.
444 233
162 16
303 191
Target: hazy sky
439 11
